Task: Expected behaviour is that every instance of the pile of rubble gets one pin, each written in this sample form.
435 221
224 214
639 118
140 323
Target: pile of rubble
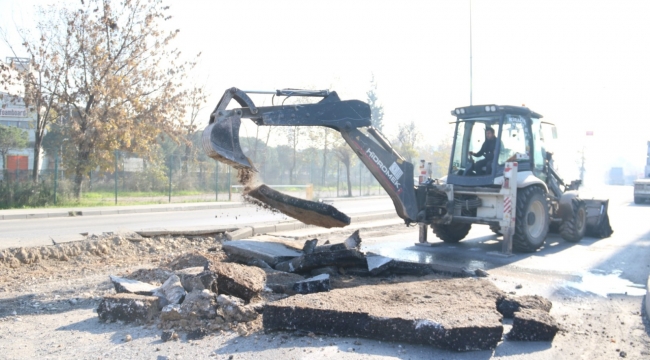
269 285
197 299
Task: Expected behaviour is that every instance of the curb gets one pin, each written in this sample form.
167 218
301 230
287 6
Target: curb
647 299
100 211
248 230
252 230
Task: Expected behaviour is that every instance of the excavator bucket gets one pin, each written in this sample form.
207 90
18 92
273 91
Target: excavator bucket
598 224
394 173
221 142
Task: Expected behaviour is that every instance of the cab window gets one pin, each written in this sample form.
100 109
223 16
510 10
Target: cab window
513 138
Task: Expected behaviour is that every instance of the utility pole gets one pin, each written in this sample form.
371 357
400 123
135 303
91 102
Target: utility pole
116 155
470 52
582 165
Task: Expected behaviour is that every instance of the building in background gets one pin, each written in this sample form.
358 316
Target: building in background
13 112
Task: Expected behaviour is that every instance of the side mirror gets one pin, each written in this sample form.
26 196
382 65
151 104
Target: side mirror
554 132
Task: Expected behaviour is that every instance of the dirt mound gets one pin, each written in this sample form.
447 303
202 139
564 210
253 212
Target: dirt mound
106 246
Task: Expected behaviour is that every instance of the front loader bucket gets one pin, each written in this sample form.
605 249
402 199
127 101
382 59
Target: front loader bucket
221 142
597 218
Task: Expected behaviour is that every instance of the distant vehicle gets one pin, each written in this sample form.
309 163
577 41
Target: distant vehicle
641 190
642 186
616 176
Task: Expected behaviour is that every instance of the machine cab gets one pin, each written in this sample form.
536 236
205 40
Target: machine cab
488 136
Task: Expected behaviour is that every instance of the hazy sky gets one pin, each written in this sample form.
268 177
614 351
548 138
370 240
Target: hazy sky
584 65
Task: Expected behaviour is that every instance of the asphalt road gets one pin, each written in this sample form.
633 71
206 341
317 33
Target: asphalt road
37 232
617 264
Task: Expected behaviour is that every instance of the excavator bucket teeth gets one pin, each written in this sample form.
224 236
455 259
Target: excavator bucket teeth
221 142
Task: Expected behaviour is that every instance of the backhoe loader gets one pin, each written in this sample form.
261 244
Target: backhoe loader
516 193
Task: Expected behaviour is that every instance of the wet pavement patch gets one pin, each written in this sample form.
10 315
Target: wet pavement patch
456 314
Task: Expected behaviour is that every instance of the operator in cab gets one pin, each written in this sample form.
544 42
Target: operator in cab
487 150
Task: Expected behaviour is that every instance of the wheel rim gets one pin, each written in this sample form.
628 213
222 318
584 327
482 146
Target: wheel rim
581 219
537 211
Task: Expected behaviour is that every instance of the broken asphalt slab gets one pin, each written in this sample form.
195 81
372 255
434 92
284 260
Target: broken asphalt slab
244 282
509 305
248 250
456 314
123 285
317 260
308 212
128 308
533 325
315 284
380 265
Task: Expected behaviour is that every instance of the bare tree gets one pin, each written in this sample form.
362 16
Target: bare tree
346 155
196 99
123 83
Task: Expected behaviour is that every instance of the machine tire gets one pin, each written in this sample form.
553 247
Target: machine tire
451 233
637 200
573 229
530 237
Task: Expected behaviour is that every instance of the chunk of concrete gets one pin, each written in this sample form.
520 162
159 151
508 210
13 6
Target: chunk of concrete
457 314
315 284
191 260
123 285
509 305
329 270
259 263
244 282
309 246
197 279
200 304
171 312
351 243
168 335
171 291
281 282
233 309
270 252
378 264
320 259
128 308
533 325
241 233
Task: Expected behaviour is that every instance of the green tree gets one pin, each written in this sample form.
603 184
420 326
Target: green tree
11 138
376 109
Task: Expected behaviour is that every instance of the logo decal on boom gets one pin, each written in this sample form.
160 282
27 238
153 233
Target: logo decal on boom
388 172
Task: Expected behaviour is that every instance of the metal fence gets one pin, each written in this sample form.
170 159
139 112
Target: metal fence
174 181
